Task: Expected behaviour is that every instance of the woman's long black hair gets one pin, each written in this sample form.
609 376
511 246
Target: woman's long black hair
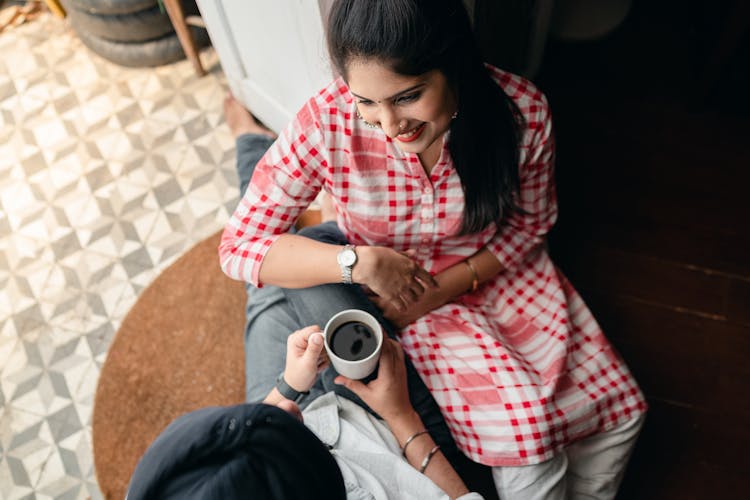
418 36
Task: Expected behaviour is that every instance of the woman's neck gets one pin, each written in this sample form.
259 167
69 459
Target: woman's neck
431 155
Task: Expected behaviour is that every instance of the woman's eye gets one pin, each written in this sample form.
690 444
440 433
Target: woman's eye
405 99
364 102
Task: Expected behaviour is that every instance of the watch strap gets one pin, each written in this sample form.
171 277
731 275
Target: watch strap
287 390
346 271
346 275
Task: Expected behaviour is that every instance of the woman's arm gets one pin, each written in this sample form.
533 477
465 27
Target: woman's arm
299 262
256 247
524 231
388 396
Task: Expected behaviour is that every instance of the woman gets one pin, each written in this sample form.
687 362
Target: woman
440 169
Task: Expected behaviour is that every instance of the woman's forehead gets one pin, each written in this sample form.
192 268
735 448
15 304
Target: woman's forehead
376 80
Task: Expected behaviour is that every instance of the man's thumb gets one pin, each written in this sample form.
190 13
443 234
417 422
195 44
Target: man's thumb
314 344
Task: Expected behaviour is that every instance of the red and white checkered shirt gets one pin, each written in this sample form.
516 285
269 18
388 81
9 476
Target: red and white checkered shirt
520 368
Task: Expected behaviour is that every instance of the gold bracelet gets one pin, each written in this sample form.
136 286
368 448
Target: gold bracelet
474 276
427 459
412 438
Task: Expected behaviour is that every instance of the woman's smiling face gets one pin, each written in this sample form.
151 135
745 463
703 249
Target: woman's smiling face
414 111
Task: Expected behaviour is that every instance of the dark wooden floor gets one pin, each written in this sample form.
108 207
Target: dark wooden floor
653 173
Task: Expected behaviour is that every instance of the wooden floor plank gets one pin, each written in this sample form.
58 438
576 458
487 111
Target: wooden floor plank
685 454
613 272
654 230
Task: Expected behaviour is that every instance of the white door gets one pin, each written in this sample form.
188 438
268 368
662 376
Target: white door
272 52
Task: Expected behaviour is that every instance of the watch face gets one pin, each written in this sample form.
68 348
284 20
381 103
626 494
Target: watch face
347 257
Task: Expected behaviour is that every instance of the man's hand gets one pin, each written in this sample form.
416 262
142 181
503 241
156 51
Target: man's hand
305 357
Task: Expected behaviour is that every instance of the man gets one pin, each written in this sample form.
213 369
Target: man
263 450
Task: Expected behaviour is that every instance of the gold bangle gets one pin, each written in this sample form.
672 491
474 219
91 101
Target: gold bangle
427 459
412 438
474 276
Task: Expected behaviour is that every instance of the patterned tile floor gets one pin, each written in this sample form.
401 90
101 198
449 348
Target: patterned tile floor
107 174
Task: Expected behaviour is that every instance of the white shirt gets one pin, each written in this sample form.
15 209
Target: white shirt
368 454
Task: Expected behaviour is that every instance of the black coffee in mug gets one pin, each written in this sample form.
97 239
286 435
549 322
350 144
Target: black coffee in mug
353 341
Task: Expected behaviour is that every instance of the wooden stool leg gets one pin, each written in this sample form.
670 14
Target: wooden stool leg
55 7
177 16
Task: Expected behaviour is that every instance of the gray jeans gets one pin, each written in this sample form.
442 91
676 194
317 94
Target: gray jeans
273 313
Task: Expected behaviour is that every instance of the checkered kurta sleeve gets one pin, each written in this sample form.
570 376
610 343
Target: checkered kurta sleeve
524 231
286 180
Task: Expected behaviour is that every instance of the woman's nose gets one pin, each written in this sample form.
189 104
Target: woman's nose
391 123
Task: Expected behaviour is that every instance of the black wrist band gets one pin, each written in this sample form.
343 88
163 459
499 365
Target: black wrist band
288 391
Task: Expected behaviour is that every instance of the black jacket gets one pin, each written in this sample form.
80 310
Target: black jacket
244 451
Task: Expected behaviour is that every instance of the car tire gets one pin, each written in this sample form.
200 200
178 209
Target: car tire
138 26
110 7
150 53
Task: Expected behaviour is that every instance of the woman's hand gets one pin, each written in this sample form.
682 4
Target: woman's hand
393 276
388 394
430 299
305 357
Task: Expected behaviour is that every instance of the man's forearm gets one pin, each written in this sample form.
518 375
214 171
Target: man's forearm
274 397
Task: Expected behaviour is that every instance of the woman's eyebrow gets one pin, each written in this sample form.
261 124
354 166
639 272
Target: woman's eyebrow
397 94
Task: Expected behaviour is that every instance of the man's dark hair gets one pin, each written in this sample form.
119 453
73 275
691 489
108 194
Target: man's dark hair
237 452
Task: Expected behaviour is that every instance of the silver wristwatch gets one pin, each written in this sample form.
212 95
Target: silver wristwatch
346 258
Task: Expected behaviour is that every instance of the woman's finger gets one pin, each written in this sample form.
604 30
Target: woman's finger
426 278
397 303
417 288
398 350
387 355
417 291
355 386
409 296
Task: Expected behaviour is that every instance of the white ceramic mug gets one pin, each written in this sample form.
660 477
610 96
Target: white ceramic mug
360 368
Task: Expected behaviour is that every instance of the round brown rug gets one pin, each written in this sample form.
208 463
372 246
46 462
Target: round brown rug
179 348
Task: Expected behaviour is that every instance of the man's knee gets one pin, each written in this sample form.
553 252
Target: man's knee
327 232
